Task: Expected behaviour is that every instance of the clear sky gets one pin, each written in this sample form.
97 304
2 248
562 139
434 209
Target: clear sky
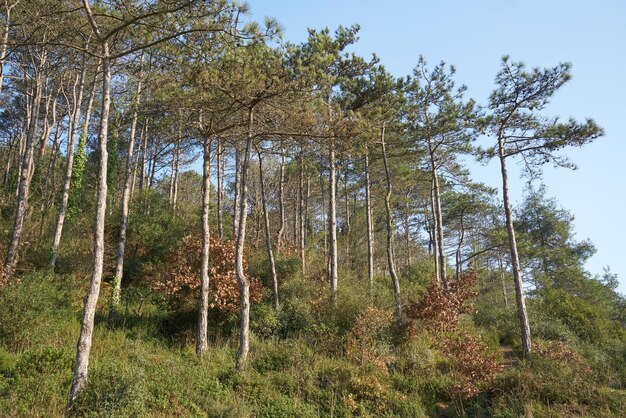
473 35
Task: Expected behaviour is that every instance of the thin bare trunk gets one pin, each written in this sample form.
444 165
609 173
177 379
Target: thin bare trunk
301 223
347 213
517 275
501 269
244 285
390 259
144 154
332 220
281 199
203 304
24 183
220 188
83 349
268 237
433 233
237 201
368 217
459 262
71 141
441 254
121 242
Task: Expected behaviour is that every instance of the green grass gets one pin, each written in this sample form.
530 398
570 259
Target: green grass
143 363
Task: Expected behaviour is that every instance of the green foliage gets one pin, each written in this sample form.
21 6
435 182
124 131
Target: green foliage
78 172
588 322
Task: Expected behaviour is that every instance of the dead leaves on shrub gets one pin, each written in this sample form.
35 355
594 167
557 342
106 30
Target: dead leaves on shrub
181 280
438 314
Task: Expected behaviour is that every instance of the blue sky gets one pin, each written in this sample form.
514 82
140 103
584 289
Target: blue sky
474 35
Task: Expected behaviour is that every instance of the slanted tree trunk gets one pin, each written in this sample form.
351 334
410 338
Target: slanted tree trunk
83 349
268 237
517 275
390 259
433 233
71 141
121 242
203 304
23 189
368 217
244 285
281 199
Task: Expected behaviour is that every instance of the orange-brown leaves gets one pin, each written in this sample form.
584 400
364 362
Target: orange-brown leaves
439 309
182 278
472 366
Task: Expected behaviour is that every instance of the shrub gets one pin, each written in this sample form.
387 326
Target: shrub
180 281
369 339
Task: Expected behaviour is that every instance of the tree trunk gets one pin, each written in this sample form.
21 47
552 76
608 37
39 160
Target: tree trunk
368 217
71 141
24 183
517 275
281 199
203 305
144 154
501 268
220 189
332 220
5 40
347 212
237 200
121 242
301 223
433 234
268 237
441 254
81 365
459 262
390 259
244 285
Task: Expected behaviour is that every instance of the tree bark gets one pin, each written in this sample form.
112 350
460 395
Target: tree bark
268 237
433 234
501 270
23 189
81 366
390 259
71 141
441 254
144 154
332 220
203 305
220 188
517 275
368 217
301 223
281 199
121 242
237 200
244 285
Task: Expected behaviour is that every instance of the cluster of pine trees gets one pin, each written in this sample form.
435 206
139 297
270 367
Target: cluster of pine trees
306 149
